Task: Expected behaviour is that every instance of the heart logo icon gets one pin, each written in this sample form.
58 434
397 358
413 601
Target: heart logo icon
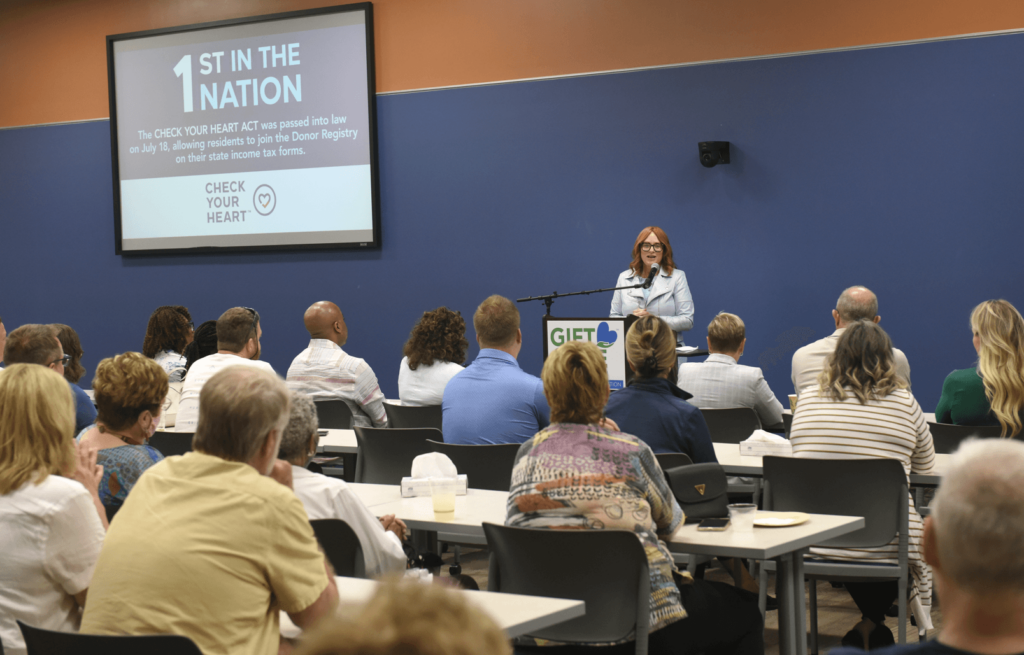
605 335
264 199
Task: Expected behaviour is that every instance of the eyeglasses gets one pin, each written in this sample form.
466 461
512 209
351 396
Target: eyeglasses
656 247
255 319
64 360
191 326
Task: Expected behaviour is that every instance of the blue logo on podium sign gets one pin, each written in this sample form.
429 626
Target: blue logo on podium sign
605 336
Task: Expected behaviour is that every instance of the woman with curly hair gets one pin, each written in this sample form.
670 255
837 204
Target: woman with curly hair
863 409
73 370
991 393
130 390
433 355
204 343
170 329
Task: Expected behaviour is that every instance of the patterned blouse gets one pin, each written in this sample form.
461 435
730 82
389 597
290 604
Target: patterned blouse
172 363
122 467
610 480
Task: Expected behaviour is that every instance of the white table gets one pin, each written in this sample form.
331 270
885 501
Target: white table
784 545
515 614
338 442
728 455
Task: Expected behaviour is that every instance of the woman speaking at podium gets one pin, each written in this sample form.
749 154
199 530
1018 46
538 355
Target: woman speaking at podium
667 296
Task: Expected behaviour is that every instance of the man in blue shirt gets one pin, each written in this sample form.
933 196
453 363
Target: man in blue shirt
493 400
38 344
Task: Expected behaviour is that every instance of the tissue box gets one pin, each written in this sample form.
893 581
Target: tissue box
762 448
421 486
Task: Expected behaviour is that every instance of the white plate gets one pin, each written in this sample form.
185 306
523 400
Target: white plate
779 519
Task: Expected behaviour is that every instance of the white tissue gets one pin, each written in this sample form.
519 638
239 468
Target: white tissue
765 437
433 465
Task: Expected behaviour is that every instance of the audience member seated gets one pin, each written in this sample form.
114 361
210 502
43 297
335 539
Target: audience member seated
238 344
204 342
51 527
324 371
169 331
855 304
433 355
863 409
3 340
38 344
494 401
991 393
579 475
129 390
330 498
722 383
70 344
409 619
652 407
208 545
972 540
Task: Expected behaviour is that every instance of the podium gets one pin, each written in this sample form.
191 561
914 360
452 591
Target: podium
608 334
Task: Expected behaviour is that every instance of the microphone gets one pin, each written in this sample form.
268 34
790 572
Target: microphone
650 277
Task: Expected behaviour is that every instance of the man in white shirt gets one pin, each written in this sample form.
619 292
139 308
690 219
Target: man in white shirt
721 382
330 498
855 304
238 344
324 371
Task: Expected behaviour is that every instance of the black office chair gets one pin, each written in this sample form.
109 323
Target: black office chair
875 489
486 466
947 437
731 425
400 416
787 422
48 642
342 547
385 455
672 460
172 443
333 414
561 564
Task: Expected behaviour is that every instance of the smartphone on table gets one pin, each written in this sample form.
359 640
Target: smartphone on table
713 525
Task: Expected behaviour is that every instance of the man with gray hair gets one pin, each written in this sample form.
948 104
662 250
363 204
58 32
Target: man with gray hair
972 541
855 304
330 498
212 545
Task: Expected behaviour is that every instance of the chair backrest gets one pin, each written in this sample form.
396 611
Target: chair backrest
607 569
385 455
731 425
875 489
672 460
333 414
172 443
48 642
342 547
947 437
488 466
400 416
787 422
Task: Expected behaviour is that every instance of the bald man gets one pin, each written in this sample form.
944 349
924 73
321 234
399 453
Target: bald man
324 371
855 304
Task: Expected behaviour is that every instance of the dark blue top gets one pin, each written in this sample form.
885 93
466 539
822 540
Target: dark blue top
85 411
656 411
493 401
932 647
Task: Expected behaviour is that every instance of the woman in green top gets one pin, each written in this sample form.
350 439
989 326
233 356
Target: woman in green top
992 393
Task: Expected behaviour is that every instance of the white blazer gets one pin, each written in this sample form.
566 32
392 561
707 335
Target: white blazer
669 300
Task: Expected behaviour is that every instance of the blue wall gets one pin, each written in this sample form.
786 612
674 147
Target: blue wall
898 168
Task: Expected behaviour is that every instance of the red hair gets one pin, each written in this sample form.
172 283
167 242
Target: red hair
667 265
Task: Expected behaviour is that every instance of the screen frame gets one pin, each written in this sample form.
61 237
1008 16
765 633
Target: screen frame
375 244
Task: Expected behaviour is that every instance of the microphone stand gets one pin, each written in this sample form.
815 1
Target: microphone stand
550 298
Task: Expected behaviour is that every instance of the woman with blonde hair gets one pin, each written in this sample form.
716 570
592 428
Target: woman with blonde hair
652 407
863 409
130 390
991 393
51 520
582 473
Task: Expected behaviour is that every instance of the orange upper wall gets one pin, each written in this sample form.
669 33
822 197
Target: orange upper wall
53 59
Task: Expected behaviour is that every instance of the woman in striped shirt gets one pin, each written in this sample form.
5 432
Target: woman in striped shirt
862 409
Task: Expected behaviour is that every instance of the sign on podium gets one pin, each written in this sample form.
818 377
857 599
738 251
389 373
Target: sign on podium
608 334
